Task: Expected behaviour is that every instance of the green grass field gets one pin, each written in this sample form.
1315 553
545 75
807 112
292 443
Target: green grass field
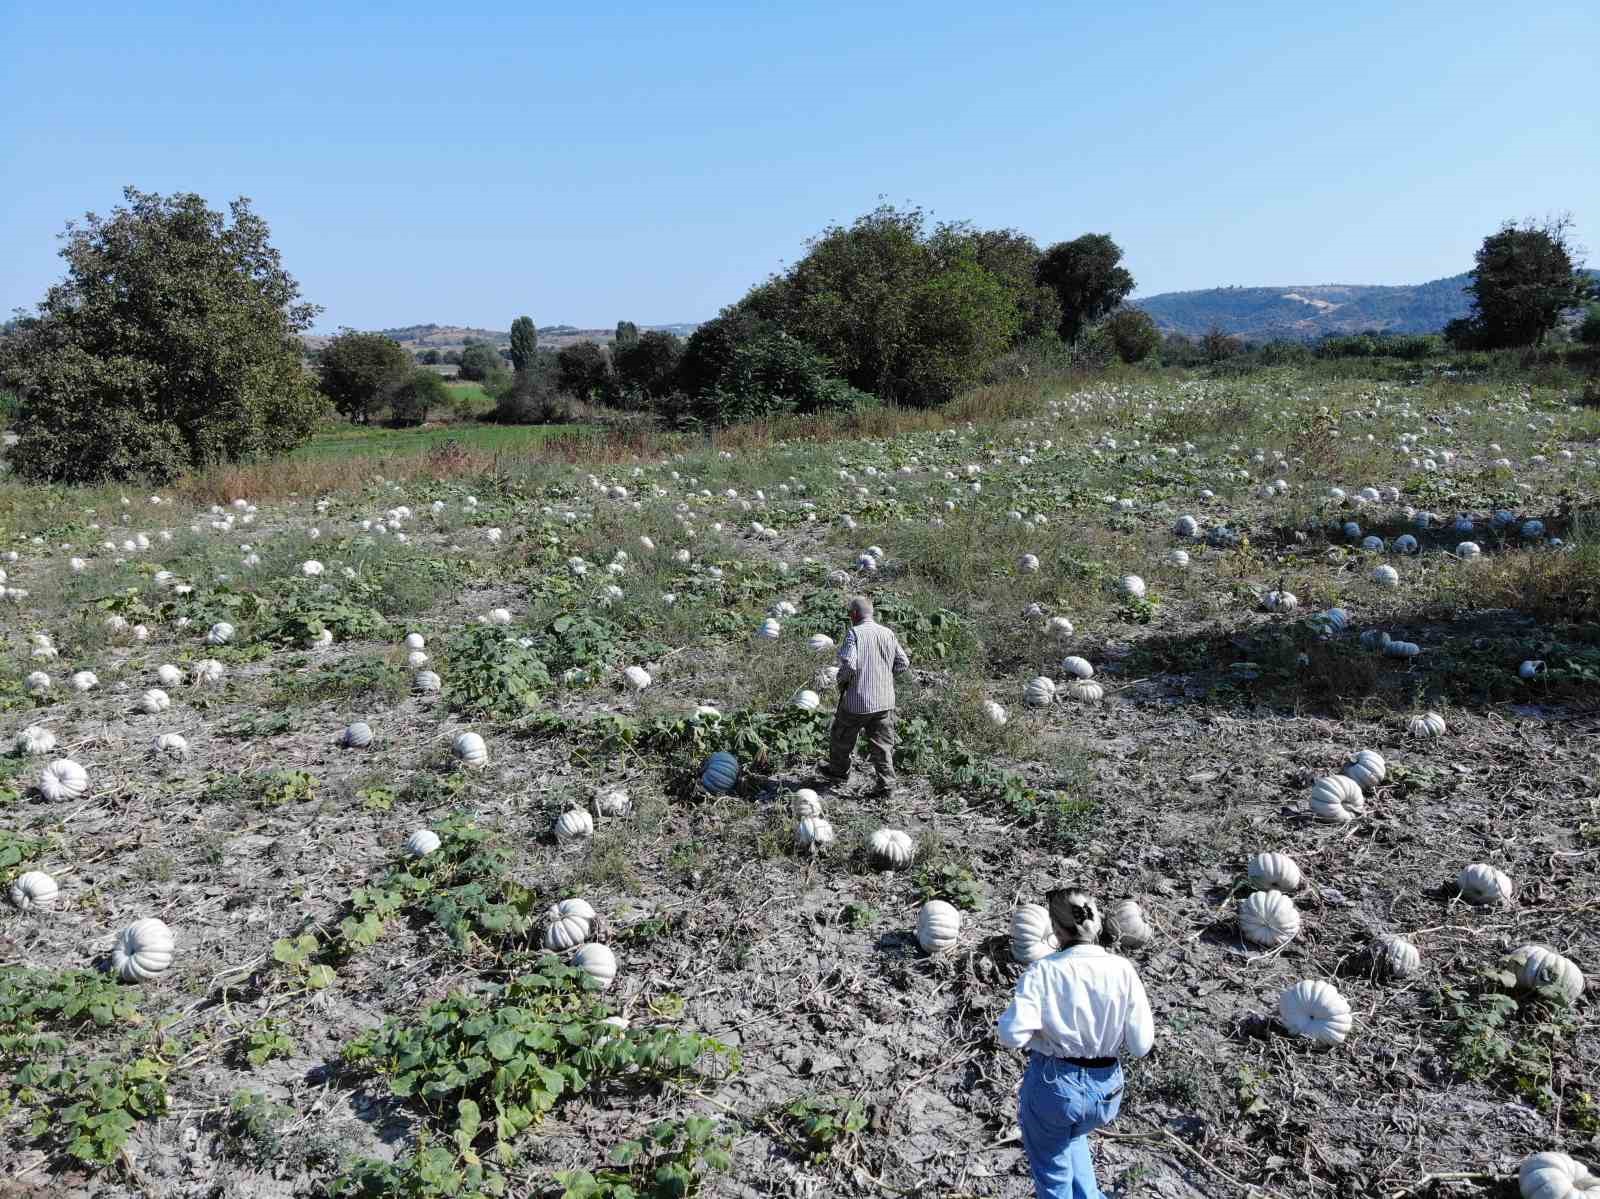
375 441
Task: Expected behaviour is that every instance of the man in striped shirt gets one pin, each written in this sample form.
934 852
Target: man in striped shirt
869 658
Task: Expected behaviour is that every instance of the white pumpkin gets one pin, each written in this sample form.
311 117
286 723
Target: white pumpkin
574 825
637 678
769 630
1429 724
995 714
1039 692
1178 558
1367 768
568 924
938 926
470 750
422 842
827 678
208 671
892 847
1337 799
154 701
416 659
806 700
1028 563
1032 934
1315 1010
1386 576
1551 1175
143 950
1059 627
1280 601
172 745
220 633
1185 526
426 682
84 680
35 740
500 616
1273 872
1394 956
614 803
820 643
1085 691
1406 544
598 962
1269 918
1126 923
1132 586
37 682
805 802
1480 883
169 675
1077 667
1528 670
416 641
356 735
34 889
1468 550
63 779
813 833
1401 649
1540 966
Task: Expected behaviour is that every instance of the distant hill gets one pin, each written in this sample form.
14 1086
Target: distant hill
455 337
1266 313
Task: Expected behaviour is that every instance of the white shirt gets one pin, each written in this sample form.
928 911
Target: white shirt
1081 1002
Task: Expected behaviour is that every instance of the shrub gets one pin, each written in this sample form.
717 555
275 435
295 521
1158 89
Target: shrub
173 343
771 375
421 392
583 371
1133 334
480 362
1588 334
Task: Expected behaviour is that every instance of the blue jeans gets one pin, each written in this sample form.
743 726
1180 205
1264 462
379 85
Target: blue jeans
1061 1104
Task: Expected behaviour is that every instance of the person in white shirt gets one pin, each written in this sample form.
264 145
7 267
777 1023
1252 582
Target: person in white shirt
1074 1011
869 659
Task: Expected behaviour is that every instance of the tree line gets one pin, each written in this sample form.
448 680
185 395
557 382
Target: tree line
174 341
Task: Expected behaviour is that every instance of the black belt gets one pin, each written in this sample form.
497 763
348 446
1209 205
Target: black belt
1090 1063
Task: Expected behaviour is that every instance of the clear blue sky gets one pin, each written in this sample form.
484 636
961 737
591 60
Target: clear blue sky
584 163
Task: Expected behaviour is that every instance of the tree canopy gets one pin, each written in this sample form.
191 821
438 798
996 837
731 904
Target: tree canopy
1526 276
1087 278
172 343
480 362
908 316
360 371
524 344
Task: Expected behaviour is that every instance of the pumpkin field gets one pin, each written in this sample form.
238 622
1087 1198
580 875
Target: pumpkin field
463 834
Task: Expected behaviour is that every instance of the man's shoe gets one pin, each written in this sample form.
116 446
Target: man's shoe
824 773
884 789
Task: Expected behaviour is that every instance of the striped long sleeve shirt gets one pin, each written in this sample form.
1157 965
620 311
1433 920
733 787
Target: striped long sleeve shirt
868 661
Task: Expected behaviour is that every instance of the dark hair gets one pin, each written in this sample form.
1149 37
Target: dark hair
1075 914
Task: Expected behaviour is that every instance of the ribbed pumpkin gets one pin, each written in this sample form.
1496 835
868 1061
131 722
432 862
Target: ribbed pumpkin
813 833
1337 799
568 924
1540 966
1367 768
356 735
720 774
574 825
1317 1011
1273 872
1394 956
805 802
422 842
143 950
938 926
1429 724
892 848
1032 935
1126 923
33 889
1480 883
63 779
470 750
1039 692
1553 1175
1269 918
598 962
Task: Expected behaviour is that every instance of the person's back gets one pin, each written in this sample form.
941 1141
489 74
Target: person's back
868 661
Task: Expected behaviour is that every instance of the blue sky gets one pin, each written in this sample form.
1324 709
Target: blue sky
467 163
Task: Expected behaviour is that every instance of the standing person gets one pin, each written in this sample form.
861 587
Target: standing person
1073 1011
868 661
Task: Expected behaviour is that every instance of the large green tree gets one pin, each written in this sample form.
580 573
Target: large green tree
645 366
1526 276
627 334
417 395
524 344
172 343
360 371
908 317
1133 334
1088 280
481 361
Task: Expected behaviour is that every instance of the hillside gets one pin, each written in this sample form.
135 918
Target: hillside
455 337
1264 313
